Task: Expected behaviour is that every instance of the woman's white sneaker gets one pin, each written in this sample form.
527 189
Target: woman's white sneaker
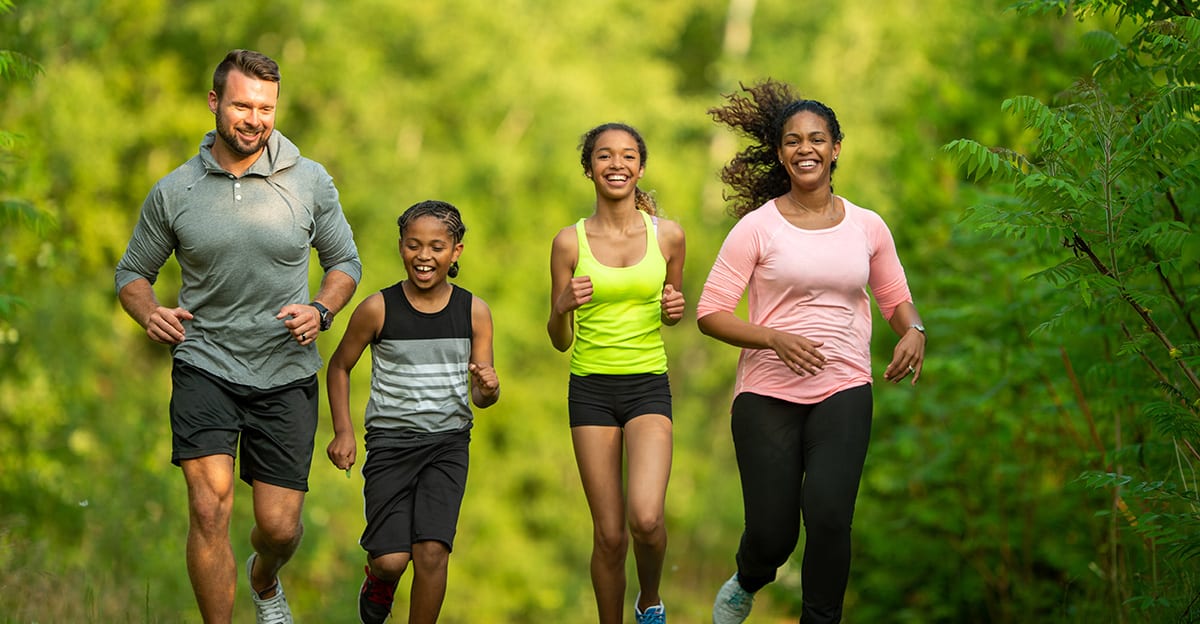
733 603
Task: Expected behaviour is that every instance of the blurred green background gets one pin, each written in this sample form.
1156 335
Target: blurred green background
971 509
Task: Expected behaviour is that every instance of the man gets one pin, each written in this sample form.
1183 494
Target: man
241 217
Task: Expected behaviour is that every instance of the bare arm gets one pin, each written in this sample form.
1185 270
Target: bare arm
567 292
485 385
336 290
909 355
364 326
162 324
671 242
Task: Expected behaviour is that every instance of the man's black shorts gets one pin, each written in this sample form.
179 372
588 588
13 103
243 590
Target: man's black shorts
271 430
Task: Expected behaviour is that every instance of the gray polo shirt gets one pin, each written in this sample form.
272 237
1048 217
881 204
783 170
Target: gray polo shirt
243 247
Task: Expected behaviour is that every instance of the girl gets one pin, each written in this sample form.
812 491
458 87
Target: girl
616 278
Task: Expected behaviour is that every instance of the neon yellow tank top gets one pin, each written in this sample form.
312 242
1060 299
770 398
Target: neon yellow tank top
617 332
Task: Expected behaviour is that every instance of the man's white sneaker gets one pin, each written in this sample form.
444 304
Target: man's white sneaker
273 610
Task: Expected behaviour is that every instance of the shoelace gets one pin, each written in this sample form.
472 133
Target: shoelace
274 610
739 600
379 592
653 615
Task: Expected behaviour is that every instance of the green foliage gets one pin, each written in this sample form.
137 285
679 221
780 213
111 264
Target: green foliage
1176 530
971 507
17 66
18 219
1109 196
14 211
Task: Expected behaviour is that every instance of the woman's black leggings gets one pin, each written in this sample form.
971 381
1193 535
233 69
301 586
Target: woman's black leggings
801 462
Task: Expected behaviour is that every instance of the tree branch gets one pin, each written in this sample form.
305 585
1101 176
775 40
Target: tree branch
1081 245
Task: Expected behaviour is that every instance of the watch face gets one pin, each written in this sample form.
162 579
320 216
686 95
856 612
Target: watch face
325 316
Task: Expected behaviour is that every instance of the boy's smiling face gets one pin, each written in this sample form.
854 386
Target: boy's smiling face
428 251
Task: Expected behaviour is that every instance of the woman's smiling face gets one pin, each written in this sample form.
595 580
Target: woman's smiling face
808 149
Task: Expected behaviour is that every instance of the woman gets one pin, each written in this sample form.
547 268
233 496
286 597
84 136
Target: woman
801 415
616 278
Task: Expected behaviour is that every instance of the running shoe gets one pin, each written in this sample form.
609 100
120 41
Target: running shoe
273 610
652 615
733 603
375 599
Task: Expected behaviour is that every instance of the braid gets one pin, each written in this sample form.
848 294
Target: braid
645 201
442 211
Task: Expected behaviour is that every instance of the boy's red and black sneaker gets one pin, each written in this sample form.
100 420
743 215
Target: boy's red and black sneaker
375 599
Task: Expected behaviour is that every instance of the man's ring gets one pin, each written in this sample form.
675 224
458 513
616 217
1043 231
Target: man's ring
911 369
304 337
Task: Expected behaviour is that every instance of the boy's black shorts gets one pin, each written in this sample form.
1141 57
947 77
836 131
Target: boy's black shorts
414 494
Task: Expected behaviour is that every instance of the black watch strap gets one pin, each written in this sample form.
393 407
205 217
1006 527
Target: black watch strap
326 316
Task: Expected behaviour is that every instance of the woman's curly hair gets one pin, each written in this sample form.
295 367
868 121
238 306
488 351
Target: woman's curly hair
755 174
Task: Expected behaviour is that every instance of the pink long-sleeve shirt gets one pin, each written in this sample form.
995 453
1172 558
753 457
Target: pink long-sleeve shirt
811 283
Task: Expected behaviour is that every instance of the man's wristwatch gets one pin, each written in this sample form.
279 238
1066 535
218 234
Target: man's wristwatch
326 315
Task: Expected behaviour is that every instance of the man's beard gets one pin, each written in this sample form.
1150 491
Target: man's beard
235 143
